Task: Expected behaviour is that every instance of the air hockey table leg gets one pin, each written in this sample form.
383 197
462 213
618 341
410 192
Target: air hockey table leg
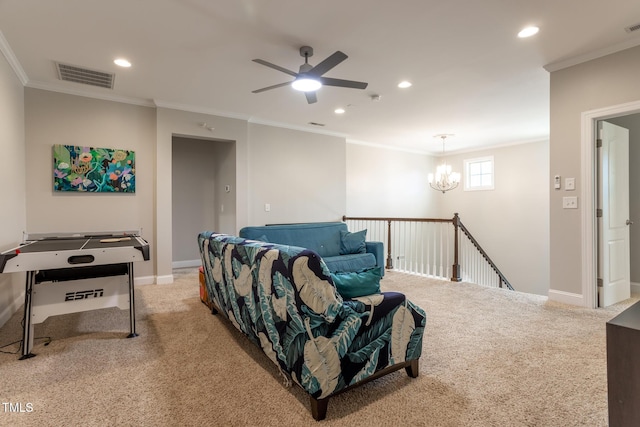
132 303
27 334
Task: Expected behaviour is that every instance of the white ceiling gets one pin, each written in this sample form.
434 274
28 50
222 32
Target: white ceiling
471 75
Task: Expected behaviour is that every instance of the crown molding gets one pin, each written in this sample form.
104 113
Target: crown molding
12 60
259 121
89 94
200 110
579 59
388 147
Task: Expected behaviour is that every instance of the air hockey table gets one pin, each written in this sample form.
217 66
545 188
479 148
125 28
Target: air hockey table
74 273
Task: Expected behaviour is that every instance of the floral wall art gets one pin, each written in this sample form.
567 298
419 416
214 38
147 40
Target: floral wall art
96 170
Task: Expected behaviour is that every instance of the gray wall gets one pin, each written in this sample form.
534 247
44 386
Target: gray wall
510 222
301 175
600 83
13 189
55 118
389 183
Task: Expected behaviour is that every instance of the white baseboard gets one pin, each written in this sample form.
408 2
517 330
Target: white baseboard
187 263
635 288
144 280
164 280
566 297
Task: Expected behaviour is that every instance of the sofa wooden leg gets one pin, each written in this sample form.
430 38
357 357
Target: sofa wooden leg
413 368
319 408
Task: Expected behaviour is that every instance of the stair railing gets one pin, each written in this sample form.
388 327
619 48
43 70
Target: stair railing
432 247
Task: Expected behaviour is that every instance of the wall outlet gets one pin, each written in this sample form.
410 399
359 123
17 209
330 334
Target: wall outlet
569 203
267 207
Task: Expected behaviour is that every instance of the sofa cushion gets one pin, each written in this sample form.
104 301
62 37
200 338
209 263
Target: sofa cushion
353 243
320 237
358 283
351 262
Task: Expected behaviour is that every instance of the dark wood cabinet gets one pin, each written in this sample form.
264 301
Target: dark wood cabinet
623 367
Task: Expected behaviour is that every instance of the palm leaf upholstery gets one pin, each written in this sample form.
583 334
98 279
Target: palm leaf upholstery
283 299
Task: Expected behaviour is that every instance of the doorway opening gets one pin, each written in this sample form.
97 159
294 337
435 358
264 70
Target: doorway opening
203 193
589 193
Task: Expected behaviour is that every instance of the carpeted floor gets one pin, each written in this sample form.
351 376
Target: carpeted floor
490 358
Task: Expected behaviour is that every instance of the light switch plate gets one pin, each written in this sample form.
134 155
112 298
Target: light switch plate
570 184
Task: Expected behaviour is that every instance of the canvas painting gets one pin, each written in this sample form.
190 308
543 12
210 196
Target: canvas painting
96 170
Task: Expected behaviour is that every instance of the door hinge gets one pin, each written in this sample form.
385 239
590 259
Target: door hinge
600 283
598 143
598 213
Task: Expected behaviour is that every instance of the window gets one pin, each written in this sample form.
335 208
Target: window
478 174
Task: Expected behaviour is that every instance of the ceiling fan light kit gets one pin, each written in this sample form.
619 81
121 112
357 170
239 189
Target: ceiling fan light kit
309 78
306 85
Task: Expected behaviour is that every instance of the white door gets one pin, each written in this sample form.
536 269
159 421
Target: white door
613 226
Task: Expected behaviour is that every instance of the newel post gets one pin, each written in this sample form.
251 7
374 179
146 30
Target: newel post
455 271
389 265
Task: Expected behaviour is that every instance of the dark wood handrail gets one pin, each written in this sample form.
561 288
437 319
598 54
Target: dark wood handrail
494 267
457 224
371 218
389 264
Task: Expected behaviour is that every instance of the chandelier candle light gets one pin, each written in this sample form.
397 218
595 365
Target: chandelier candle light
445 180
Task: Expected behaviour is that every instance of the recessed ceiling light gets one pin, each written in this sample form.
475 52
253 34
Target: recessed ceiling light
339 110
528 32
121 62
404 84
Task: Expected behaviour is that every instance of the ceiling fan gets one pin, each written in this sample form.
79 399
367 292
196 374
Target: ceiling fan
309 78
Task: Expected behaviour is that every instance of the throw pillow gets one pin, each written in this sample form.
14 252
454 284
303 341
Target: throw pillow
358 283
352 243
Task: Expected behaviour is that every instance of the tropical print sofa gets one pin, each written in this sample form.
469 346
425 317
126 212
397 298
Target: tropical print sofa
283 299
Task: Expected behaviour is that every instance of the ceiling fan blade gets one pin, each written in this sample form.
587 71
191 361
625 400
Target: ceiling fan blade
311 97
276 67
270 87
328 63
327 81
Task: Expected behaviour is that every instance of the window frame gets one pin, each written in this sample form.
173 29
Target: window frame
467 174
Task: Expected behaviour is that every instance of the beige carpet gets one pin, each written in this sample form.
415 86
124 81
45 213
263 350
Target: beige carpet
490 358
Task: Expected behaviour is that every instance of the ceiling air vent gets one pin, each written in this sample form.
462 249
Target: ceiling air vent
632 28
71 73
316 124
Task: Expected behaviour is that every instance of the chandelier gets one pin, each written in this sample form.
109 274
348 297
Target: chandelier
444 180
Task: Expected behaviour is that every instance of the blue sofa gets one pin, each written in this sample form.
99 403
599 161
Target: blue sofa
282 298
341 250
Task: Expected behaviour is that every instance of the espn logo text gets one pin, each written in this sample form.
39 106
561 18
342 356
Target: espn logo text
89 293
8 407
